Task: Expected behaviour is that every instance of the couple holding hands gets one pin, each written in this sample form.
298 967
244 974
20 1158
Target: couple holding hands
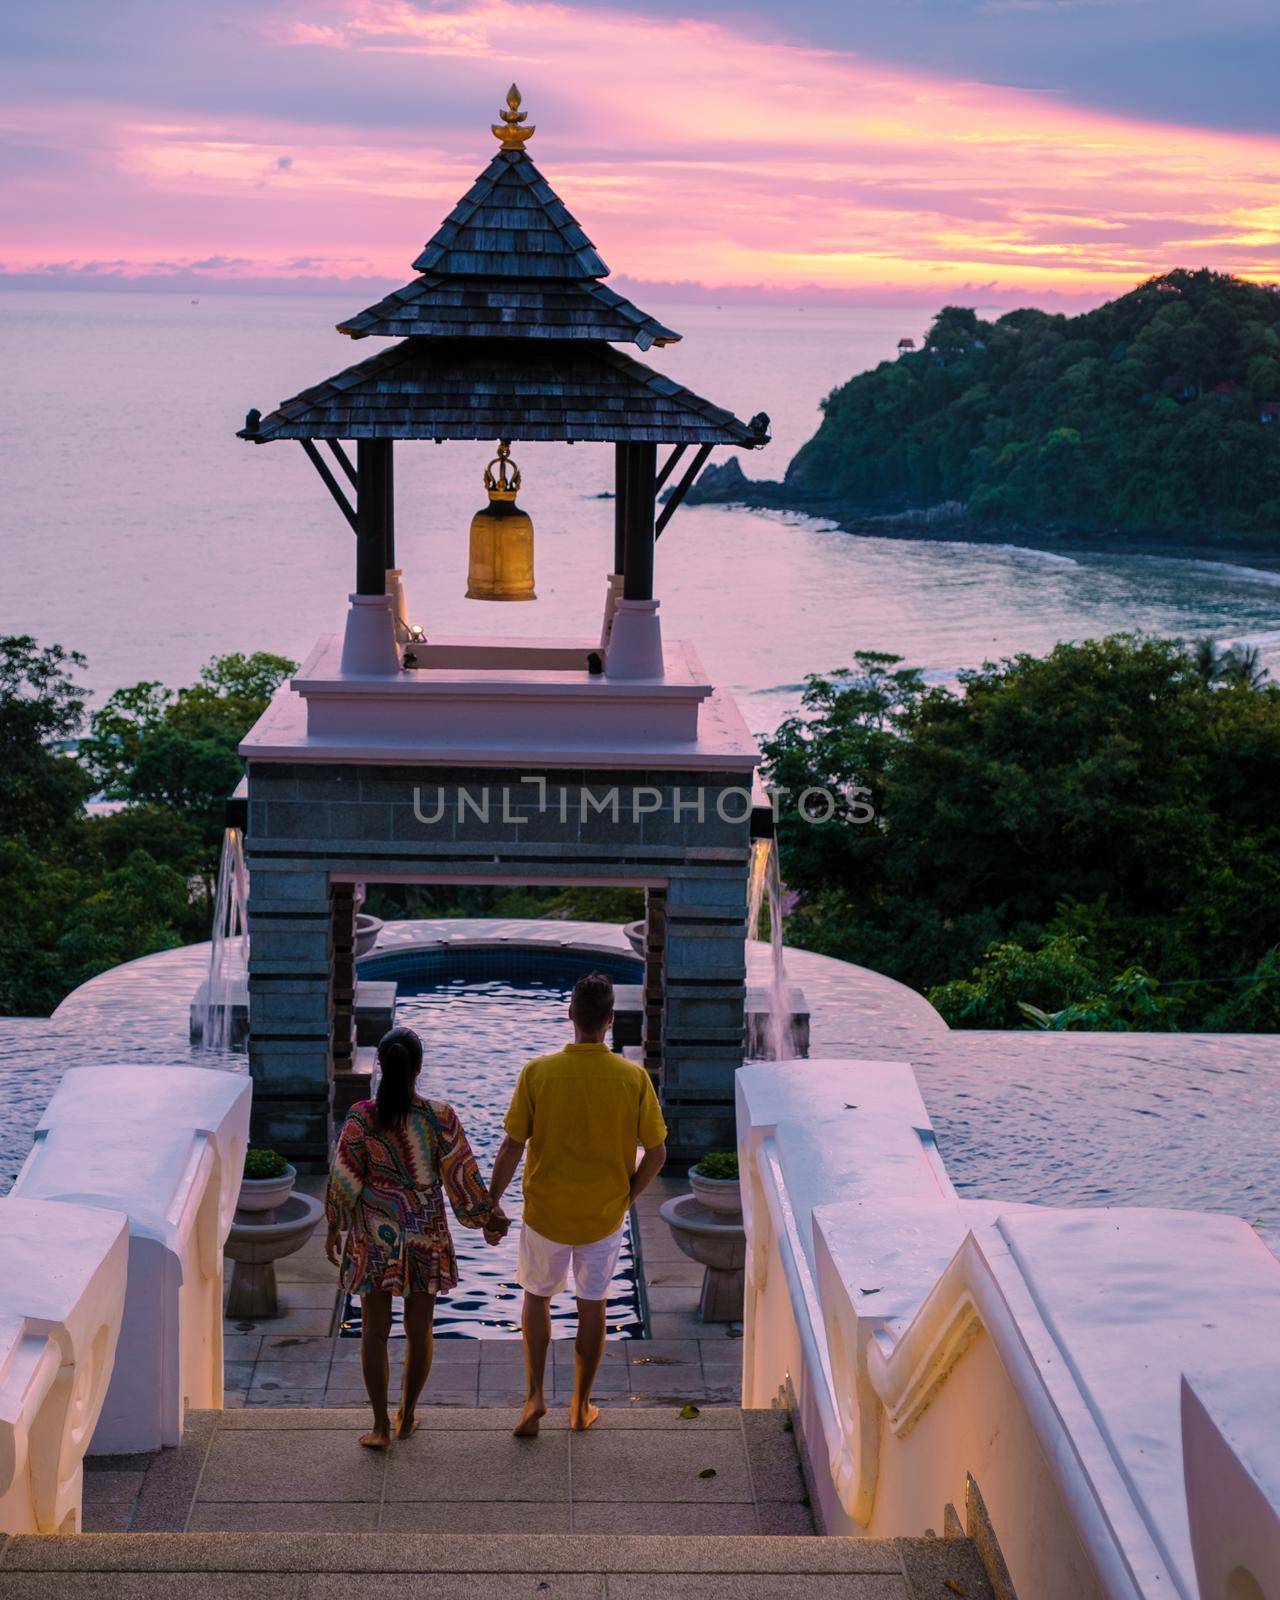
588 1122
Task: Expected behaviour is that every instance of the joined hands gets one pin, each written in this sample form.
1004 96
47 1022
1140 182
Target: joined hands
499 1225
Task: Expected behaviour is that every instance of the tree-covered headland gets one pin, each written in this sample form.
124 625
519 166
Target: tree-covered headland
1156 415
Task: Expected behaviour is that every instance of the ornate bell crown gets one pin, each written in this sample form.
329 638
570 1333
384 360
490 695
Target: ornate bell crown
505 483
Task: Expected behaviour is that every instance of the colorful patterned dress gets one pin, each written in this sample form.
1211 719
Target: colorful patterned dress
386 1192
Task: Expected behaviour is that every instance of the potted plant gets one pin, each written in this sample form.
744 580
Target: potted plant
714 1180
267 1182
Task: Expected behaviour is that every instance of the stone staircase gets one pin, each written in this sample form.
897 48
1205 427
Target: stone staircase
542 1566
648 1504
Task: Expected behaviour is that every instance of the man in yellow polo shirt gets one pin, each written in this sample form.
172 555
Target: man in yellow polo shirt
584 1114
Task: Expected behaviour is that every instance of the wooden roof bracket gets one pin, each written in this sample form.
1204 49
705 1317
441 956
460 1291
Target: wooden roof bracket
668 466
328 479
682 488
345 462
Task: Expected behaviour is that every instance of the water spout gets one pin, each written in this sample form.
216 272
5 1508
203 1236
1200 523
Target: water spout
226 988
765 890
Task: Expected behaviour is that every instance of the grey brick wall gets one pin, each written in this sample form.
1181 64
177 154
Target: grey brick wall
306 821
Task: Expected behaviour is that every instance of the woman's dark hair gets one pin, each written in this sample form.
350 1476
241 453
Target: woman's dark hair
400 1057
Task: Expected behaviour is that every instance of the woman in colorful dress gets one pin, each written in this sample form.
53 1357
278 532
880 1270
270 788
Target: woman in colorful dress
397 1158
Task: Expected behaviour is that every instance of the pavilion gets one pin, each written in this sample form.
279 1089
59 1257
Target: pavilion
395 756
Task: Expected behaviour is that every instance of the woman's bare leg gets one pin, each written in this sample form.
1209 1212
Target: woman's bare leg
419 1317
375 1325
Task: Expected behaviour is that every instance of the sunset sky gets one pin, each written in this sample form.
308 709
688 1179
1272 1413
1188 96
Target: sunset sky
843 149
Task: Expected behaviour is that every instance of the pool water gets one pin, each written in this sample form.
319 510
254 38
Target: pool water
477 1035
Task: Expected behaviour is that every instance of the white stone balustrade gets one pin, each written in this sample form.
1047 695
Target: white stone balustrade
922 1339
165 1145
63 1269
1229 1426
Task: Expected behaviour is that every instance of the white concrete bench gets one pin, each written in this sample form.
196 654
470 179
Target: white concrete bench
166 1146
63 1268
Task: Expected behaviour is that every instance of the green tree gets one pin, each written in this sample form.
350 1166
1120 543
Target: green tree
41 707
1104 793
153 746
83 893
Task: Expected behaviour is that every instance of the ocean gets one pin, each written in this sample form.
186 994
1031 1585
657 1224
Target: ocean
140 531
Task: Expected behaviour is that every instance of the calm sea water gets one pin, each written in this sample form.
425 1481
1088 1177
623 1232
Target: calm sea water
139 530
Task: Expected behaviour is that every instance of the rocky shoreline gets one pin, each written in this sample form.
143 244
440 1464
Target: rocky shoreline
725 484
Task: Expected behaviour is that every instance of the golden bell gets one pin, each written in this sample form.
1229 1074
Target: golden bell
501 564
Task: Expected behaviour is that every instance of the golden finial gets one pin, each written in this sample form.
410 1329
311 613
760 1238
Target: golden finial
509 131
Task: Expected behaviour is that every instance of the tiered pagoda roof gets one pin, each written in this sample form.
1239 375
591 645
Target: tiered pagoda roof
504 389
508 332
511 224
508 308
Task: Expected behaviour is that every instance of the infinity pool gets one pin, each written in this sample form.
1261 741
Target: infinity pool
478 1033
1062 1119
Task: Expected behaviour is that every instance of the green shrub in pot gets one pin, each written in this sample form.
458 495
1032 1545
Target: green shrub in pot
259 1164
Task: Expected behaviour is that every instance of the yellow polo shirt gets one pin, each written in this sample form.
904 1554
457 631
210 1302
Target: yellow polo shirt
581 1112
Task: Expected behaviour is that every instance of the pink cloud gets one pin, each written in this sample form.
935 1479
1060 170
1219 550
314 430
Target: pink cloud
689 149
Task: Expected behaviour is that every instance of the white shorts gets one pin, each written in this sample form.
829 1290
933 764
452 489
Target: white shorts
542 1265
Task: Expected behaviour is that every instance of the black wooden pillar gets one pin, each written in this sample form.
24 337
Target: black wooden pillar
620 459
637 520
373 501
389 512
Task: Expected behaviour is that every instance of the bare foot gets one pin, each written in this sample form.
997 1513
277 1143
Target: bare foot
582 1416
530 1417
376 1438
405 1425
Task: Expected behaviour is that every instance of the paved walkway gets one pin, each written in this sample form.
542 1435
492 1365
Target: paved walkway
299 1359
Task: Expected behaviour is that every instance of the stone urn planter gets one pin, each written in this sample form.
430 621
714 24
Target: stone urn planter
716 1240
635 932
367 930
272 1189
256 1242
723 1195
714 1180
707 1225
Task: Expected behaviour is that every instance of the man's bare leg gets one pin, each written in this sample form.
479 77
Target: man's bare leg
535 1324
588 1348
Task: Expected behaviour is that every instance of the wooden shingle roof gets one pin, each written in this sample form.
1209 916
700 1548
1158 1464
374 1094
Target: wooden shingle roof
506 308
504 389
511 224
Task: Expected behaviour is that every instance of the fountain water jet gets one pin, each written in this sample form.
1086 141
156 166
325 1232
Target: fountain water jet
224 991
765 890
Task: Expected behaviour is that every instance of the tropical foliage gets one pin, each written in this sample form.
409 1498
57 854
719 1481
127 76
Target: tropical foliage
84 891
1143 415
1058 835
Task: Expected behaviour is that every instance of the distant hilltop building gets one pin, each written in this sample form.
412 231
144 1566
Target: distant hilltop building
905 345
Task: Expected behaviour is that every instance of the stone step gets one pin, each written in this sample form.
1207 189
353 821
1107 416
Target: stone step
351 1566
712 1504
